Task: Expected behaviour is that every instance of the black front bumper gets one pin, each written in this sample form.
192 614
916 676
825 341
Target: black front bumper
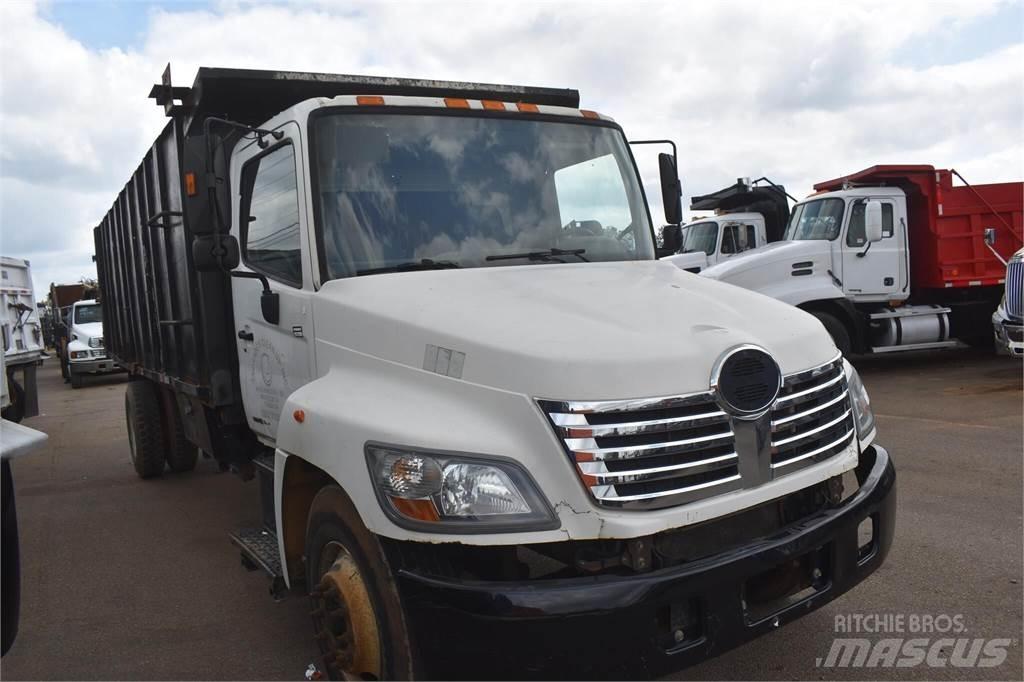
627 626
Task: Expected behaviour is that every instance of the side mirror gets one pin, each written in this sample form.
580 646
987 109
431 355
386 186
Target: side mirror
671 191
671 240
211 252
990 236
873 221
270 306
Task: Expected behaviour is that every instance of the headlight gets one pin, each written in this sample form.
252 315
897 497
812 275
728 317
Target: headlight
95 342
428 490
861 403
79 354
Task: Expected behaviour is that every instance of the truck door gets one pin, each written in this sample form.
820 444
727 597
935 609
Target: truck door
274 359
876 273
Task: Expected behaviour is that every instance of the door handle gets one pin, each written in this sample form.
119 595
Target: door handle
245 336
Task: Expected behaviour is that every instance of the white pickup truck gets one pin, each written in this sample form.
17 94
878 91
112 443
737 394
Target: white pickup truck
494 435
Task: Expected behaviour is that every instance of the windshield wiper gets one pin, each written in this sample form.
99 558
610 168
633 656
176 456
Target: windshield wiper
422 264
549 254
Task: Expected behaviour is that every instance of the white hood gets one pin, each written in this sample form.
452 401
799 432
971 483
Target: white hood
88 330
574 331
818 251
686 261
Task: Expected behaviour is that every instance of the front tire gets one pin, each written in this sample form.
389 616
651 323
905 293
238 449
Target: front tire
837 330
145 430
357 614
76 379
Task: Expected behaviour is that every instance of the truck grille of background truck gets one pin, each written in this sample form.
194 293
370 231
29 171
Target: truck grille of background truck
652 453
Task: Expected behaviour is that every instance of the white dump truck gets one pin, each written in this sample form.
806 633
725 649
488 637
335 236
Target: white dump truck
22 338
746 216
494 435
891 258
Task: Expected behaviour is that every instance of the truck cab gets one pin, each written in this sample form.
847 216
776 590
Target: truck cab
712 240
891 258
1008 319
747 215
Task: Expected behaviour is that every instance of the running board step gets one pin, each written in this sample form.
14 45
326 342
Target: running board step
952 343
259 550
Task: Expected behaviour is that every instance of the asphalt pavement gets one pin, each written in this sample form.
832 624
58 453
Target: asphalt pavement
131 579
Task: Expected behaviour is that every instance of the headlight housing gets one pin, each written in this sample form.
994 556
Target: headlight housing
425 489
862 413
94 342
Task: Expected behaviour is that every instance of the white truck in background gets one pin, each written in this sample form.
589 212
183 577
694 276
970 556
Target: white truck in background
1008 319
22 338
85 352
892 258
747 215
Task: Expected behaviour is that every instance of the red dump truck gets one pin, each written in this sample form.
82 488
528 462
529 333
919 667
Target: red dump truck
892 258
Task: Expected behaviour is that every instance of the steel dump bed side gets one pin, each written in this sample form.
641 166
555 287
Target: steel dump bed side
947 223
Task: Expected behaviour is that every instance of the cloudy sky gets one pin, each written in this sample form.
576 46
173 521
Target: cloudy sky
799 92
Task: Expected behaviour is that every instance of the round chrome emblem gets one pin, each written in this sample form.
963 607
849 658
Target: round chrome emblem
746 381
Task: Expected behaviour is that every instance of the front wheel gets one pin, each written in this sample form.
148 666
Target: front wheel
357 615
837 330
76 379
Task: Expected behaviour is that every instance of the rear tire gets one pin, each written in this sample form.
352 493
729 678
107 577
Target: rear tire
335 536
181 453
145 429
837 330
15 412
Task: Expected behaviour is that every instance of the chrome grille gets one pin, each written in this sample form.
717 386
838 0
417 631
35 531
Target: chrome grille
1015 287
812 418
651 453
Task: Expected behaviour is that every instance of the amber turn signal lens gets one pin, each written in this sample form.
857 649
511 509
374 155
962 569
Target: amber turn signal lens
420 510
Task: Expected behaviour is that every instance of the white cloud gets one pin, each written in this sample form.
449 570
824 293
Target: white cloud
800 92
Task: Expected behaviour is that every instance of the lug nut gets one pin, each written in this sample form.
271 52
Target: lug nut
679 635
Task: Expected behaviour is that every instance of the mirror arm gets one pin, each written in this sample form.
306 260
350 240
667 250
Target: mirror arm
245 274
865 251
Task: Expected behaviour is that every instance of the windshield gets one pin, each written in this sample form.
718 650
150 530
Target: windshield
85 314
700 237
820 219
410 191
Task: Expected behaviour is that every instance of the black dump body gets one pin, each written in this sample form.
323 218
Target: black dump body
165 320
768 200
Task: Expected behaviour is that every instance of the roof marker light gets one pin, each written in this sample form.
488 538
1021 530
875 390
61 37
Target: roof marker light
493 105
527 107
456 103
370 100
589 114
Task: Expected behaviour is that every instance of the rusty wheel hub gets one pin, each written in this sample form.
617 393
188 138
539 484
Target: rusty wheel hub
344 619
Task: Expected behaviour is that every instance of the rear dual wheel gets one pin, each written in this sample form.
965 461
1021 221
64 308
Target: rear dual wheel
155 431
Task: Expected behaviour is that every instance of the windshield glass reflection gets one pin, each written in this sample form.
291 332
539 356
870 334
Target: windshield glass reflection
404 192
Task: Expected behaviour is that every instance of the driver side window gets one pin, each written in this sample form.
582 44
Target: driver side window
737 238
855 233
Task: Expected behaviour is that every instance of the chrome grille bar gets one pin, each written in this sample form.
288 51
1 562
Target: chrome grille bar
651 453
